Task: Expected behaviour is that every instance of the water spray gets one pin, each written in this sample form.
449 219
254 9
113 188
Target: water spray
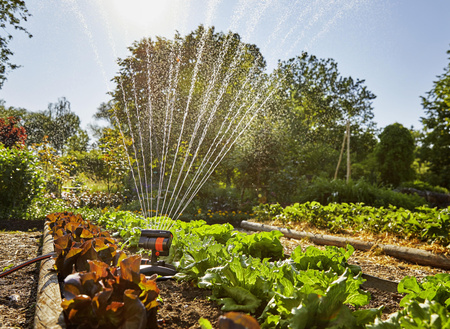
158 241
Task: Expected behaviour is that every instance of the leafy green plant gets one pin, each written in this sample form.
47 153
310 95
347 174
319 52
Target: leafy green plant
261 245
427 315
310 308
428 224
426 304
432 288
42 206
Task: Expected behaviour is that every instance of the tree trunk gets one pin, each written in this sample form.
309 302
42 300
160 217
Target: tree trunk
340 155
348 151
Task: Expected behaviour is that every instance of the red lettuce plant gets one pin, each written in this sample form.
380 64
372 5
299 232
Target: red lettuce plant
111 297
102 286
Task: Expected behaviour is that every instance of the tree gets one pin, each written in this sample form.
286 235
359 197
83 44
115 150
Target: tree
12 14
5 112
65 123
395 154
55 172
77 143
309 112
259 155
58 123
38 125
314 101
115 158
183 101
435 147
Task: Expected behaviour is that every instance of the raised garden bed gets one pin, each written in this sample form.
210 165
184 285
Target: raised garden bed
184 304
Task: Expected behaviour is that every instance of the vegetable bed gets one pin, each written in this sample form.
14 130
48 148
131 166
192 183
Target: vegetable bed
179 311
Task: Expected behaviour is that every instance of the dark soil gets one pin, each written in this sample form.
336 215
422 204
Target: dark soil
182 304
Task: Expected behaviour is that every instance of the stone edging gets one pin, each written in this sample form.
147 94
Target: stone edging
49 313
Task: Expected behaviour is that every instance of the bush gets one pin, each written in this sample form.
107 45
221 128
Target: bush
20 181
326 191
93 199
424 186
48 204
42 206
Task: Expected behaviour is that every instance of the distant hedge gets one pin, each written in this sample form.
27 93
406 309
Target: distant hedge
327 191
20 181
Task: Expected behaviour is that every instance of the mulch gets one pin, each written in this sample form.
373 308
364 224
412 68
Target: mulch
20 241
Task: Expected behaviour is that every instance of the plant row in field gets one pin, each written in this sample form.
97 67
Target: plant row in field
311 288
102 286
250 273
428 224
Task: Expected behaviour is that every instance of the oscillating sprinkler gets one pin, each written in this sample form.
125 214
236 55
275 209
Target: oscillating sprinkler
158 241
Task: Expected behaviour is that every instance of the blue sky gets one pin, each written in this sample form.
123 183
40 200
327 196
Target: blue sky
397 46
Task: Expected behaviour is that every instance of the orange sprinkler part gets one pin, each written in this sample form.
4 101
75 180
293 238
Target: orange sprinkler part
159 244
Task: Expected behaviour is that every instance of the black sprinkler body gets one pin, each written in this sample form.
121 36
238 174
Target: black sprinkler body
158 241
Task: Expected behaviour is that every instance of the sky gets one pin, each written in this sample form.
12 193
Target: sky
398 47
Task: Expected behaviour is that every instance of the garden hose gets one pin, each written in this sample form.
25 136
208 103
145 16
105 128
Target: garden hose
37 259
31 261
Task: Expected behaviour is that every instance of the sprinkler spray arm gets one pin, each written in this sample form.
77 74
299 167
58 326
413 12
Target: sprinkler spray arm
158 241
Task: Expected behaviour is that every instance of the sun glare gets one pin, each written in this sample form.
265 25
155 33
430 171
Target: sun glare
142 14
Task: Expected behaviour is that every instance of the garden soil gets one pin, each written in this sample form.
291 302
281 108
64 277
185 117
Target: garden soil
182 304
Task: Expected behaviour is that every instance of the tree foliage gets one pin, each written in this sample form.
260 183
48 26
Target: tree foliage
55 172
315 101
188 81
12 14
436 143
300 132
59 123
395 154
184 101
115 158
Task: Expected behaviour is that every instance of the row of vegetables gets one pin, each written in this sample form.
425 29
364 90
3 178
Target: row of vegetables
431 225
102 286
249 273
311 288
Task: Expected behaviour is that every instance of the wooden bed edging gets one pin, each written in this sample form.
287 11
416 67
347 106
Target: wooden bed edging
49 313
413 255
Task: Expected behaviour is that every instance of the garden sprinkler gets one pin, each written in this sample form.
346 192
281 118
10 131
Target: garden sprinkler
158 241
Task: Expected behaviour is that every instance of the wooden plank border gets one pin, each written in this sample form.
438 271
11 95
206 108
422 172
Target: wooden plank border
413 255
49 313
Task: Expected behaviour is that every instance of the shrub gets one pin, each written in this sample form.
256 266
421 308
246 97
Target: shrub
424 186
42 206
327 191
93 199
20 181
11 134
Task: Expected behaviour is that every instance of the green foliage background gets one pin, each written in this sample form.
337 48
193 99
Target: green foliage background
20 181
